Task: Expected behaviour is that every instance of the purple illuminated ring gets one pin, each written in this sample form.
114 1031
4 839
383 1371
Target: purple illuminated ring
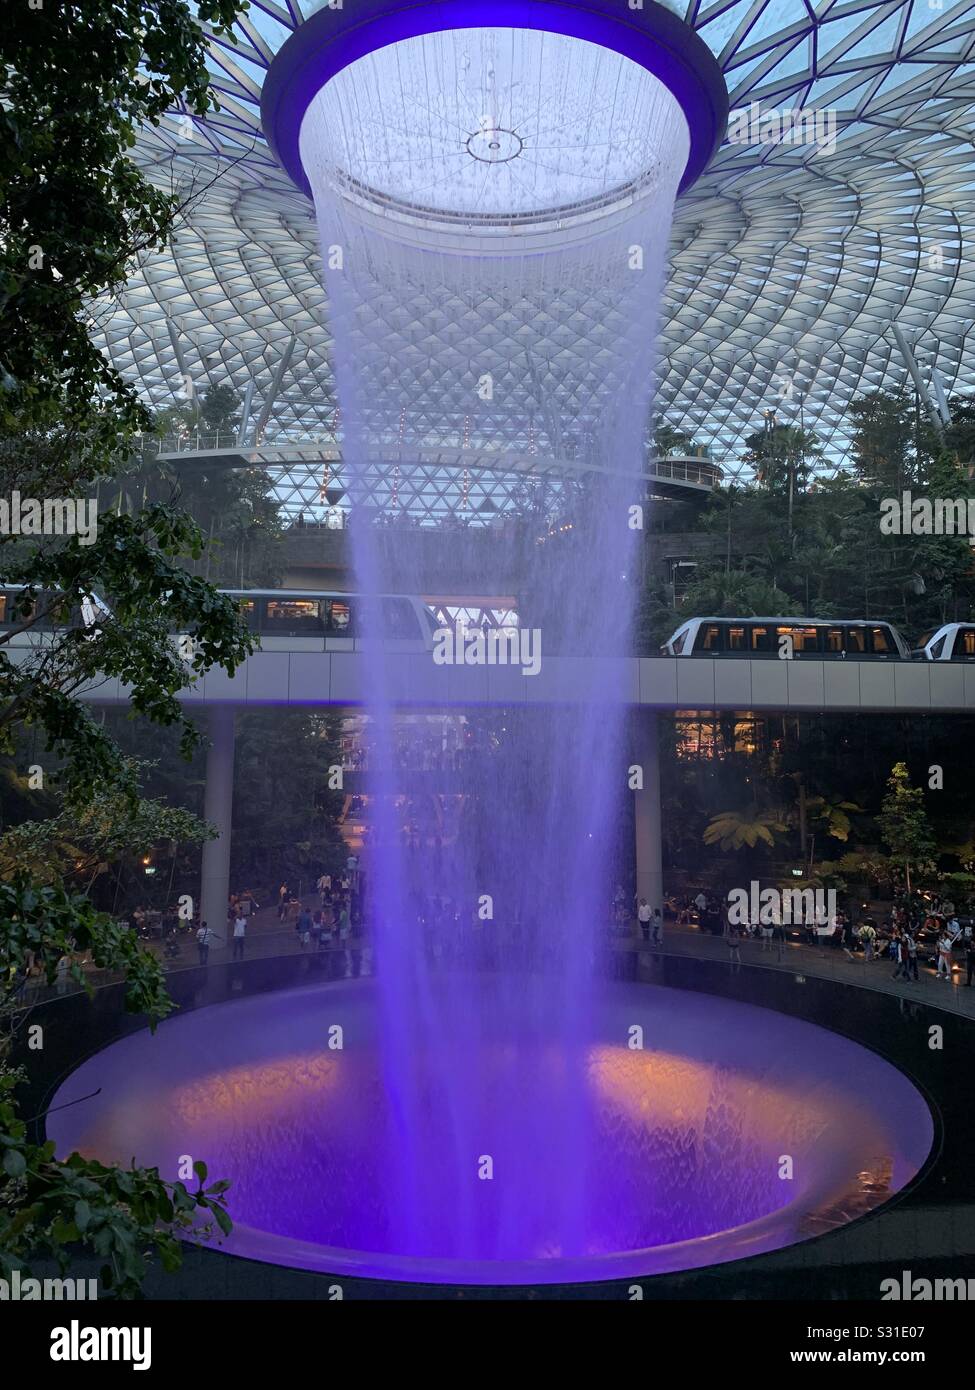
652 37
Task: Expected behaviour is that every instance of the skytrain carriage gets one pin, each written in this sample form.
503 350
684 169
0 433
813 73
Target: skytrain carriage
298 619
46 611
950 642
818 638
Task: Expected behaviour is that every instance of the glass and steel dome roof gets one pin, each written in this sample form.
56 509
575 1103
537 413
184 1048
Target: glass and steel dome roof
788 264
527 125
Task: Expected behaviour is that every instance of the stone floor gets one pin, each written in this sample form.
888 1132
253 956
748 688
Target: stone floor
828 963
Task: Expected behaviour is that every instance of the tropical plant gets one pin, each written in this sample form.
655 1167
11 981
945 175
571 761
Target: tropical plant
77 81
904 826
782 454
737 830
834 815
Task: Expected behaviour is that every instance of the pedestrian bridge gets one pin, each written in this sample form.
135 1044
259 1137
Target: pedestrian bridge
304 678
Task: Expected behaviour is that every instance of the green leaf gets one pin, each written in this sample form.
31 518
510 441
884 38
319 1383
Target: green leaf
14 1163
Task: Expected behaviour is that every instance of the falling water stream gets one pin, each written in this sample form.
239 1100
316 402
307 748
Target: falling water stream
493 272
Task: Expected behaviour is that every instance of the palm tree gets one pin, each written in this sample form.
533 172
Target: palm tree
782 456
740 829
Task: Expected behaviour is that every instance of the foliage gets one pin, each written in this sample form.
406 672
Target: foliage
885 437
834 815
220 410
960 434
78 80
780 453
49 922
285 815
715 592
125 1216
669 440
740 829
132 563
904 825
836 562
92 831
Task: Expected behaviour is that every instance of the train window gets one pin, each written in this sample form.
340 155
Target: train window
709 638
677 645
882 643
833 641
248 609
293 615
736 638
965 643
856 641
761 638
937 649
805 640
399 620
13 610
338 617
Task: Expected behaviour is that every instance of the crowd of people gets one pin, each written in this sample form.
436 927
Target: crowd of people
909 936
934 934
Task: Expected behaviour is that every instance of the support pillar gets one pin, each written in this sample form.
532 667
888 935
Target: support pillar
647 818
218 808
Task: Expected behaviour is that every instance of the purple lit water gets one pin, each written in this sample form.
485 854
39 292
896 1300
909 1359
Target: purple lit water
687 1135
459 349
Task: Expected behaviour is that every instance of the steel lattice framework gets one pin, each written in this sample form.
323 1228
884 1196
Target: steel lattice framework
789 264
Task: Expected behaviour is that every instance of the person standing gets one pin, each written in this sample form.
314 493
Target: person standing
205 938
303 927
282 901
944 956
733 938
902 957
345 931
644 916
657 926
911 944
868 935
240 930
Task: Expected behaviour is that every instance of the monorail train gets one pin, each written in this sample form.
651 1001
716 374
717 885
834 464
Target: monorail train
822 638
950 642
312 620
283 619
14 612
300 619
